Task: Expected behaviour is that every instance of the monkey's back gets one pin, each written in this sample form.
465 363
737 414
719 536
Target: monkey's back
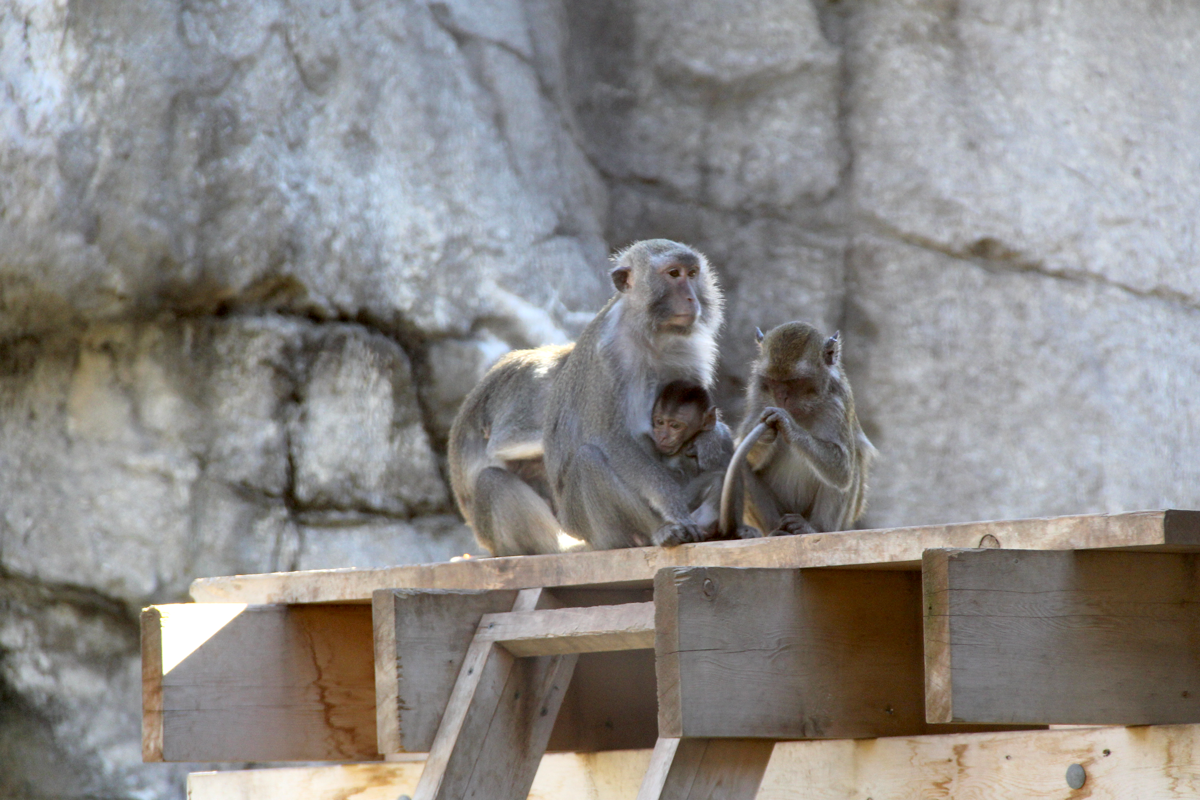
501 419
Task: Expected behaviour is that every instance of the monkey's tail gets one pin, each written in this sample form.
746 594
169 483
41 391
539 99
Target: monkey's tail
729 525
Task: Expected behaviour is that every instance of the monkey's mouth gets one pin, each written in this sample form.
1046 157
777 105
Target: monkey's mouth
680 323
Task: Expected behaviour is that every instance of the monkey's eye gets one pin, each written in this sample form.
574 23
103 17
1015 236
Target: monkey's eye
692 273
674 272
676 425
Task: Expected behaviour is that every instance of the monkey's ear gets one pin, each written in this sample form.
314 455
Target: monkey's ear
759 335
833 349
621 278
710 420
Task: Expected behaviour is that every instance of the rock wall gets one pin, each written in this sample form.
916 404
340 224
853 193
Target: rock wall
253 255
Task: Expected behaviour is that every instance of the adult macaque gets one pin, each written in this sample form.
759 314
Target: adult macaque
610 488
695 444
495 455
803 457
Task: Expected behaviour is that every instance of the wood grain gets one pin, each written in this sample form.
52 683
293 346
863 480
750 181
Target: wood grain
593 776
702 769
787 654
421 639
1061 637
572 630
262 683
1160 762
900 548
497 721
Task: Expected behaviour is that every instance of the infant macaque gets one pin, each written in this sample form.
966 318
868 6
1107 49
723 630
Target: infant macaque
693 442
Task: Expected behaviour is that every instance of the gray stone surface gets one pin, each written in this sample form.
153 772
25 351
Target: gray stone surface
70 699
1062 138
1000 394
252 257
369 159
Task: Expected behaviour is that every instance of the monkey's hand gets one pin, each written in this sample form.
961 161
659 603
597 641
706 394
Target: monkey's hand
748 532
677 533
792 525
778 422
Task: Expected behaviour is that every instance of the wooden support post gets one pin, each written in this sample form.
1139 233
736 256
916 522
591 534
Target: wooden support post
788 654
497 722
699 769
230 682
1083 637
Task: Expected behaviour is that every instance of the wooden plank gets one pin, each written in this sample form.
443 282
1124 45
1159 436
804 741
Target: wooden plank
593 776
610 705
1077 638
497 722
421 639
1161 762
789 654
1176 531
422 636
230 682
572 630
700 769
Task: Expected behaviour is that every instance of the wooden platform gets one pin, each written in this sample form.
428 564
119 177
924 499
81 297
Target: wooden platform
696 664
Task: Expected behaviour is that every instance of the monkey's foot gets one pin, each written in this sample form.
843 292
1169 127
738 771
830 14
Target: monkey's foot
748 532
677 533
793 525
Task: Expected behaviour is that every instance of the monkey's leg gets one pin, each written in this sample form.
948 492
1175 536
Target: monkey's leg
600 507
833 510
763 509
511 519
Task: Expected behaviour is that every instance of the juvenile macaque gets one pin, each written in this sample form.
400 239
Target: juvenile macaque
610 487
695 444
805 455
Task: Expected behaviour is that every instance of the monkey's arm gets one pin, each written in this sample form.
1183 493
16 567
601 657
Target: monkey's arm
714 448
830 458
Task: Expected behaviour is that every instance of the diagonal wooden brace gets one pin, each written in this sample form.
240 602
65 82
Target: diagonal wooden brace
510 686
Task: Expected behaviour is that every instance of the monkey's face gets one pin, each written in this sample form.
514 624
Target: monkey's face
800 391
671 429
670 282
675 282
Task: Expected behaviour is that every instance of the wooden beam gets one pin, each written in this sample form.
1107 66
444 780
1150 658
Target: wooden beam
1176 531
1162 762
629 626
497 722
1061 637
593 776
610 705
421 639
230 682
789 654
700 769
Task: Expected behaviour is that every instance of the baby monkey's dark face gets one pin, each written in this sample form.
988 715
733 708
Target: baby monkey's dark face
673 426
